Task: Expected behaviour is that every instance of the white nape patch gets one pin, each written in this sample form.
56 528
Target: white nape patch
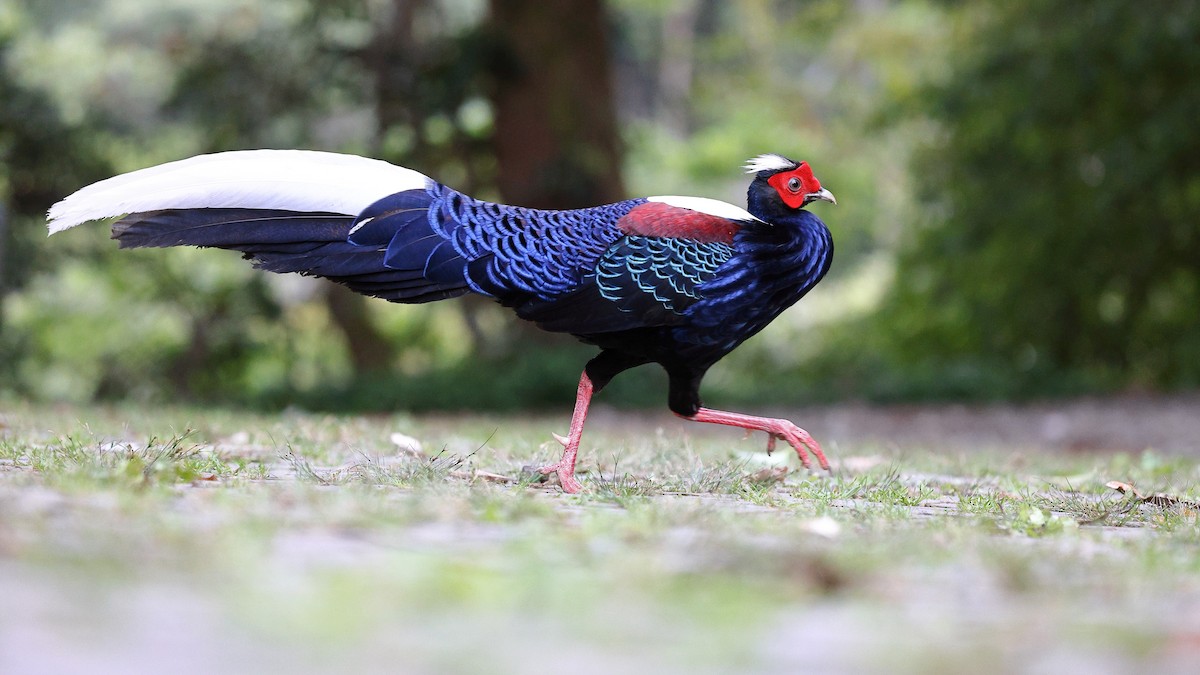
713 207
769 162
293 180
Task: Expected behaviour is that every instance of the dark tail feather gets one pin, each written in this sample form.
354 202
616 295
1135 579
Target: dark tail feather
314 244
401 223
236 229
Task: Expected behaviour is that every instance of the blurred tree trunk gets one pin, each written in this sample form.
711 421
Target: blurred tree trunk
370 351
556 137
3 259
390 61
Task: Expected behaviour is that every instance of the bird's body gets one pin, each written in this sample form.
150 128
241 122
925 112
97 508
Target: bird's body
678 281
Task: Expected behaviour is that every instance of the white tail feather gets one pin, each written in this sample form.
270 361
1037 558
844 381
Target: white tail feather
294 180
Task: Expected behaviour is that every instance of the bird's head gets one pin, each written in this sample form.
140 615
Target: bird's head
782 185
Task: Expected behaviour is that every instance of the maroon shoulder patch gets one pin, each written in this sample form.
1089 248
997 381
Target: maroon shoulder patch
657 219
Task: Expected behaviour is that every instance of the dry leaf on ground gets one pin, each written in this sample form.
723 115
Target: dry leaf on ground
1157 499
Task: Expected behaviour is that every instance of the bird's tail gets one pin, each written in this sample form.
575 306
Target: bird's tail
288 210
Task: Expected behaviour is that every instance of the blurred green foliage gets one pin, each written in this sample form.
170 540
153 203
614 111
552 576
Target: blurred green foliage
1057 236
1017 182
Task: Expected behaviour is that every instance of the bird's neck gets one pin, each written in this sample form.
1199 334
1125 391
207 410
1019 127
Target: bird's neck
791 224
795 245
763 204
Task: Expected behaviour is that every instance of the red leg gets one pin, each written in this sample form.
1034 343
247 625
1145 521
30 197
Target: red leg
775 428
565 468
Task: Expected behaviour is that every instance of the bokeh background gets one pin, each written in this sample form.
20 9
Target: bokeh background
1018 187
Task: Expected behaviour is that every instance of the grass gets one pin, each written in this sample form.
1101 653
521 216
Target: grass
192 540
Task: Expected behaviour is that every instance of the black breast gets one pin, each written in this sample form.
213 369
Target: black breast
773 266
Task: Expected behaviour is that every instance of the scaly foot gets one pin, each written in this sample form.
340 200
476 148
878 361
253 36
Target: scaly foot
566 477
776 429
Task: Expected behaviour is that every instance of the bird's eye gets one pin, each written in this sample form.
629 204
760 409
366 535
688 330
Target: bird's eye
794 184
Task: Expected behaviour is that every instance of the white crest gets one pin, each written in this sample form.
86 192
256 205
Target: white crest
713 207
769 162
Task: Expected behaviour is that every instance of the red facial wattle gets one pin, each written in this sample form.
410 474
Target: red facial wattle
805 185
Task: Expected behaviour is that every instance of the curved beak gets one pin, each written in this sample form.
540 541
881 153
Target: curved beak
822 194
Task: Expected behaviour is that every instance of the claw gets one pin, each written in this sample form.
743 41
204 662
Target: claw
562 440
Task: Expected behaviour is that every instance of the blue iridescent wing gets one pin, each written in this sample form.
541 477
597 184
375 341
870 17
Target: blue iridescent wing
639 282
506 252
